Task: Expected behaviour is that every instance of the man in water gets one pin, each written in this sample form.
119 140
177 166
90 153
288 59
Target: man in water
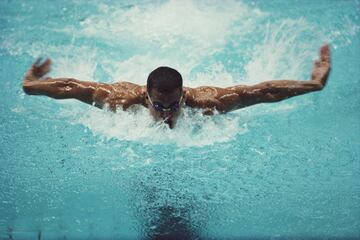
164 94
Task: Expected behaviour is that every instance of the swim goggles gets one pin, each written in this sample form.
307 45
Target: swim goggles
160 108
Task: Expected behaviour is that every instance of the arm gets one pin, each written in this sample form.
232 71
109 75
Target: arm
232 98
63 88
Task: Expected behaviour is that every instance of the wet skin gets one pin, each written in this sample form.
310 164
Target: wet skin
166 100
123 95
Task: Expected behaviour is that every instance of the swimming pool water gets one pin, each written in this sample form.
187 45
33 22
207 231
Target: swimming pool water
282 170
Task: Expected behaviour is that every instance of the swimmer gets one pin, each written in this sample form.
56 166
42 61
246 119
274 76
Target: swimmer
164 94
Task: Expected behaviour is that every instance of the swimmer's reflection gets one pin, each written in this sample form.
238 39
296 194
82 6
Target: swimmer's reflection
171 223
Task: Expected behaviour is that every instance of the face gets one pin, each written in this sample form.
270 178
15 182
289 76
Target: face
165 106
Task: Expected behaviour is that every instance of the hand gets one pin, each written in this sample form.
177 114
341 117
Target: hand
322 66
38 70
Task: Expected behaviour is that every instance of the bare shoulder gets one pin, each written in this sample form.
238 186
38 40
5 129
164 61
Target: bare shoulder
125 86
204 97
126 94
214 98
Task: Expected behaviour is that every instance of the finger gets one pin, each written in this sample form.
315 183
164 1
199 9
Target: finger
325 53
317 63
46 63
36 63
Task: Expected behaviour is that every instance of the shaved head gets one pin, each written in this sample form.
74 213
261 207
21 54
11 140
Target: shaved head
164 80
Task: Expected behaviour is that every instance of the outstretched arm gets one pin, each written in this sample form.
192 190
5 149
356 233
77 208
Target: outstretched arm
232 98
62 88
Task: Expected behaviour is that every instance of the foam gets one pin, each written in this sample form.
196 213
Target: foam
168 24
193 129
282 55
177 34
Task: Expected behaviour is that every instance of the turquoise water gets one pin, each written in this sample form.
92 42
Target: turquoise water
286 170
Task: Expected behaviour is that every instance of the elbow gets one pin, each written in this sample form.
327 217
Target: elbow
318 86
27 88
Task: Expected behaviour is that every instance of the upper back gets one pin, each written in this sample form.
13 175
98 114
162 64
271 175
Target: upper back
126 94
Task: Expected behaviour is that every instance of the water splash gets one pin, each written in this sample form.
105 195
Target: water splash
283 54
173 34
192 129
244 46
203 41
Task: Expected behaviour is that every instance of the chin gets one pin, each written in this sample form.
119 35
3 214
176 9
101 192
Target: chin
170 123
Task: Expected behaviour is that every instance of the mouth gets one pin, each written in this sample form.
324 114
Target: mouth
169 121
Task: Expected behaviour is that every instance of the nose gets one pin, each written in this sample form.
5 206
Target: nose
166 115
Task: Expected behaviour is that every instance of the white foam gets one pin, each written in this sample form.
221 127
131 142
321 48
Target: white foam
215 75
192 129
179 34
80 66
170 24
282 54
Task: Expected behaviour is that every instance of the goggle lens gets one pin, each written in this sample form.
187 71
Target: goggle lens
160 108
